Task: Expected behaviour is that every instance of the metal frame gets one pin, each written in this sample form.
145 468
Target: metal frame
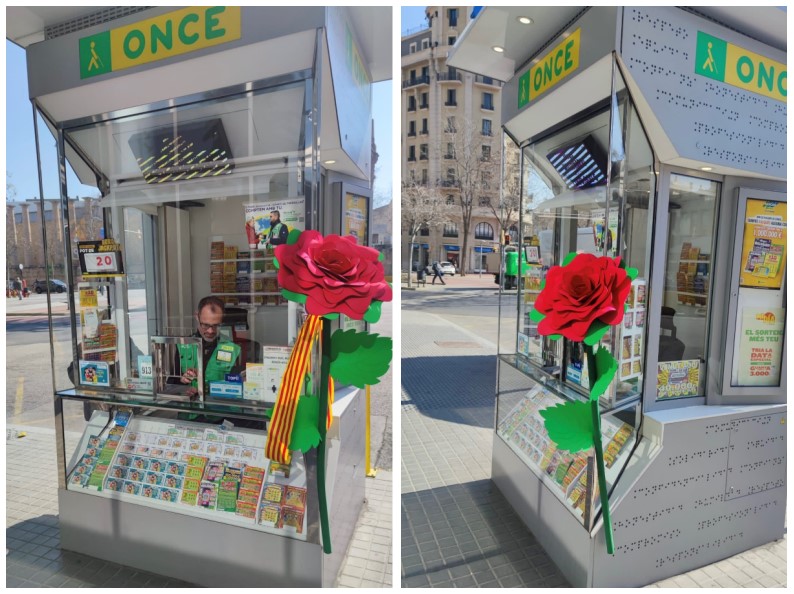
656 289
729 394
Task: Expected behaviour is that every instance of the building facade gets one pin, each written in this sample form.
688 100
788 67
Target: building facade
444 110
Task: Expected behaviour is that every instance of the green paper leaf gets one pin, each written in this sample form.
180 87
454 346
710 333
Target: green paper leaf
269 413
569 258
331 316
632 273
276 265
373 313
606 367
305 434
554 336
569 425
543 284
289 295
536 316
595 332
293 236
381 257
359 358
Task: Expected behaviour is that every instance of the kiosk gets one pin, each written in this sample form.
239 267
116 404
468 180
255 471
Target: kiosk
196 124
657 135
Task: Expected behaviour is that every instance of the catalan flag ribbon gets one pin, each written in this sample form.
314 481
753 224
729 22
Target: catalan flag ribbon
279 435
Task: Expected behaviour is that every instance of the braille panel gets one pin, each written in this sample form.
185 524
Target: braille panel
757 460
680 515
705 119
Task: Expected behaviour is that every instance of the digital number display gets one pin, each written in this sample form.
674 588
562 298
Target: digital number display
106 262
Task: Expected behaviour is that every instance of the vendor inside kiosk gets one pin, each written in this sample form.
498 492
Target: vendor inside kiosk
201 129
627 148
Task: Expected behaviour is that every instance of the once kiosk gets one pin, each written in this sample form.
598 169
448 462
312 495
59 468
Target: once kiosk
657 135
195 125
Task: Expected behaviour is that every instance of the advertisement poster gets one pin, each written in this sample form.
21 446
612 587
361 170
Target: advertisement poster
764 249
605 233
274 361
678 379
761 346
354 219
258 225
94 373
632 333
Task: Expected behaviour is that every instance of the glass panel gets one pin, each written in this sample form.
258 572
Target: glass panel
684 323
519 424
569 204
761 306
198 196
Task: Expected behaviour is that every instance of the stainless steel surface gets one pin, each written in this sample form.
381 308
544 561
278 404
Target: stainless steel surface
196 550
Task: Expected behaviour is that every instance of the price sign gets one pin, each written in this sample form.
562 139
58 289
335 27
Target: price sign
100 258
145 366
96 263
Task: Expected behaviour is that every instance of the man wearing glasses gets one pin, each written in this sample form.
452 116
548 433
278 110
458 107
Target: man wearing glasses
217 363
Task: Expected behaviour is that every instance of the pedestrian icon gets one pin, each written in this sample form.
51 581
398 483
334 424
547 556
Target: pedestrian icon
95 61
95 55
709 64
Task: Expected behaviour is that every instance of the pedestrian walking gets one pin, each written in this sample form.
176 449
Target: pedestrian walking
438 274
18 288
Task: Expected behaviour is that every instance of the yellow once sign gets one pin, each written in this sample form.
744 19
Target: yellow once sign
172 34
756 73
555 66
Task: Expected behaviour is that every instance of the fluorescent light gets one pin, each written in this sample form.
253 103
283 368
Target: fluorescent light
705 168
524 20
329 162
498 49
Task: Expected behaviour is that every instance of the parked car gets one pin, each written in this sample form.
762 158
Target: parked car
56 286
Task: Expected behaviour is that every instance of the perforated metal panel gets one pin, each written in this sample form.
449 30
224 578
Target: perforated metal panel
705 119
100 17
716 488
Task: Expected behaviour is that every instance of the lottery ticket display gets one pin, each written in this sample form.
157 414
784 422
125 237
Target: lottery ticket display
632 333
523 430
187 465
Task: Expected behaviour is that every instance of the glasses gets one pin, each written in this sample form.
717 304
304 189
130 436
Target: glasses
206 327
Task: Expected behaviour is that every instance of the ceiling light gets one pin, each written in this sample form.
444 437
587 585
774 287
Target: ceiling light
498 49
329 162
705 168
524 20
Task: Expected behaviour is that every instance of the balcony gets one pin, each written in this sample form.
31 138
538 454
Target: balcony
447 77
449 156
411 133
487 106
424 105
424 132
450 183
451 103
414 82
412 107
450 130
484 133
487 80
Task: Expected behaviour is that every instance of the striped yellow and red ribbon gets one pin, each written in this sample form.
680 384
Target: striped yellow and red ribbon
280 433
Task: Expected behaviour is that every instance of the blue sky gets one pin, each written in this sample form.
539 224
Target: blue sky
412 17
21 143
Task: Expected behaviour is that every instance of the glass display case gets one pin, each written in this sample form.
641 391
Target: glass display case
587 187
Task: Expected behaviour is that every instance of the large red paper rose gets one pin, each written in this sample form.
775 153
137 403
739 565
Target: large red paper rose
334 273
589 288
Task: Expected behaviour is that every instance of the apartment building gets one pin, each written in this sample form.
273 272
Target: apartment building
442 108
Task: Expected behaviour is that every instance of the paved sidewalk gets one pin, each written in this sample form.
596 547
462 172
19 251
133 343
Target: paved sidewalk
457 529
33 550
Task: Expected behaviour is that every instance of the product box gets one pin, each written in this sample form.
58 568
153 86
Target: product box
221 389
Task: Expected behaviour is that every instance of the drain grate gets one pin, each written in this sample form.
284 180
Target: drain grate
457 344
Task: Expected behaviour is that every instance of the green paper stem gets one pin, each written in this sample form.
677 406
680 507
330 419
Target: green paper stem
325 370
602 479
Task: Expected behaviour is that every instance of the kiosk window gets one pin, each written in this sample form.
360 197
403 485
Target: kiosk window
687 287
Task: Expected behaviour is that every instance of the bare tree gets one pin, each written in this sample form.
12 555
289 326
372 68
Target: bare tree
506 210
472 163
421 207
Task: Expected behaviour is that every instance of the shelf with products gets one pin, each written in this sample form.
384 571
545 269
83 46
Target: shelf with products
692 277
522 428
192 469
